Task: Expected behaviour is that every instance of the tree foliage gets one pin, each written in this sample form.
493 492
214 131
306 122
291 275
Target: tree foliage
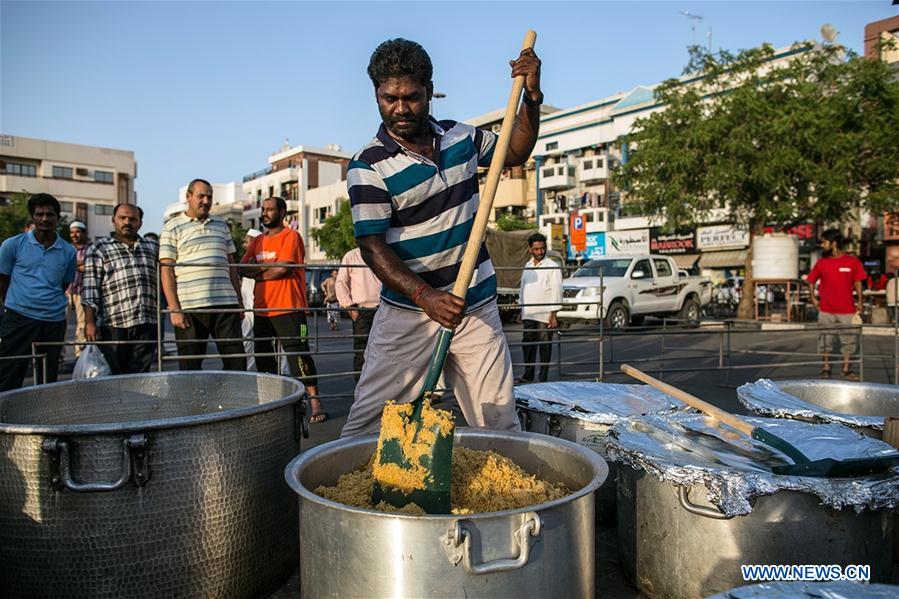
336 235
510 222
812 137
807 139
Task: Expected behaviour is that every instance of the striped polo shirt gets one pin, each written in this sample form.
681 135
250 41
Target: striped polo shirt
425 210
189 240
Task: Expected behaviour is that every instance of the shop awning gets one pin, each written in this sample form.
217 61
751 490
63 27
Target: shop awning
685 261
725 259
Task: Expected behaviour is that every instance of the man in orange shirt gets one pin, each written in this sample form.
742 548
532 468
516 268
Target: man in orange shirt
279 291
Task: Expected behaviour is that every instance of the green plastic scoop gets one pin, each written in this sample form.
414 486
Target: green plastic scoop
413 461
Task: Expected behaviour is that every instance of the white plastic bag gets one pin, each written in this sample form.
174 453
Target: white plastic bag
90 364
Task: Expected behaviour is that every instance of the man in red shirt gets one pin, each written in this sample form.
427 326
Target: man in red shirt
839 275
279 291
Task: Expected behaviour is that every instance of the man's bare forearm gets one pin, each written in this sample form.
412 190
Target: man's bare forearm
524 135
169 285
387 266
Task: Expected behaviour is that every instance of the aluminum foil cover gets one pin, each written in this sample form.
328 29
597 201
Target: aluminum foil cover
685 449
602 403
766 398
811 590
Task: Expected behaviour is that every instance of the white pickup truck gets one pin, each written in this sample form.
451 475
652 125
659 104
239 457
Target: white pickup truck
625 290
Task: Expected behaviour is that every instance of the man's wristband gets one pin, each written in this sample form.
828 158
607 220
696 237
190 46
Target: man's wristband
418 293
530 102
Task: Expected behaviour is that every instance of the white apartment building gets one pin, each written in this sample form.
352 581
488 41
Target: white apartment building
291 173
88 181
321 203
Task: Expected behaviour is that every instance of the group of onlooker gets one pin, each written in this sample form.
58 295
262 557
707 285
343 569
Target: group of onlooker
110 286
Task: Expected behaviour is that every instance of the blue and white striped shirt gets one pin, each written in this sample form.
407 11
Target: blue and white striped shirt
425 210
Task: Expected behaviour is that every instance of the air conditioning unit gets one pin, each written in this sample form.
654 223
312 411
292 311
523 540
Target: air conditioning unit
82 172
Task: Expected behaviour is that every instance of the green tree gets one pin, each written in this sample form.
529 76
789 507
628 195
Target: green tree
336 236
238 235
811 138
510 222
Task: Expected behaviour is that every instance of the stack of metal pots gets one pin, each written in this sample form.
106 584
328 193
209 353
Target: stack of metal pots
544 550
151 485
695 503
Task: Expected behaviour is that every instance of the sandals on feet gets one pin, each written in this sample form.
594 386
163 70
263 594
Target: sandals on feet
825 373
848 374
318 418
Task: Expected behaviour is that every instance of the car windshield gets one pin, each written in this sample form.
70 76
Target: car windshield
609 268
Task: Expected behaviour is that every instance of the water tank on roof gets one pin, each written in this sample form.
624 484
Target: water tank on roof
775 256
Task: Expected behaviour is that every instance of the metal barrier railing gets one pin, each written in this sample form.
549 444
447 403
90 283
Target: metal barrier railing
725 354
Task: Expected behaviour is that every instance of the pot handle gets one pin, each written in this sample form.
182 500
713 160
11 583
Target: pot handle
457 544
683 493
134 465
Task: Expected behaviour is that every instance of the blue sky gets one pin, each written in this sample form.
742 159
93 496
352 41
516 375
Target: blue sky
210 89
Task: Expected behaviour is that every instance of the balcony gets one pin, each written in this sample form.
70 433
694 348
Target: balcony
557 176
593 168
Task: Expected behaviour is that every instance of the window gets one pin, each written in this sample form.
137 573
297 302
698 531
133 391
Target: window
67 207
103 177
645 267
662 268
552 145
22 170
549 172
103 209
62 172
588 165
322 214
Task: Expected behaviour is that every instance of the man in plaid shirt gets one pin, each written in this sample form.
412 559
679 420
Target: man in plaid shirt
119 294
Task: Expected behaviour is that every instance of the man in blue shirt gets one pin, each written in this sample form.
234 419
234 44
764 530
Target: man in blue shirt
35 269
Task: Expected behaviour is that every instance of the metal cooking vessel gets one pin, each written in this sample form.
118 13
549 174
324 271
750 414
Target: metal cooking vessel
674 544
587 434
150 485
545 550
862 406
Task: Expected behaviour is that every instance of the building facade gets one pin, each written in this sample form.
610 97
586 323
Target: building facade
291 173
88 181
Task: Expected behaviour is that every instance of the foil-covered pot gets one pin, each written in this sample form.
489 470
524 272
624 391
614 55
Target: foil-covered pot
697 502
860 405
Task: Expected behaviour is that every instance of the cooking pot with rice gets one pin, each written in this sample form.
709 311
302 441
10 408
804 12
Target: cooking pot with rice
543 550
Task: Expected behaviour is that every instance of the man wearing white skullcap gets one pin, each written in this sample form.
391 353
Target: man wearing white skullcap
78 235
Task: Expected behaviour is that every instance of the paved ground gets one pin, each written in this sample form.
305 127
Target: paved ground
689 359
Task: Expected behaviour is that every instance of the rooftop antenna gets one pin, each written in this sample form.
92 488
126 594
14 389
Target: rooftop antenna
694 18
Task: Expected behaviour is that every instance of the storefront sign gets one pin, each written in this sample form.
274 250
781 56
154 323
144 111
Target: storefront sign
627 243
720 237
595 248
679 242
891 226
556 236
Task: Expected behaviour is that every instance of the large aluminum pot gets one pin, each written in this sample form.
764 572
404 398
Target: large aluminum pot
150 485
674 544
545 550
862 406
584 412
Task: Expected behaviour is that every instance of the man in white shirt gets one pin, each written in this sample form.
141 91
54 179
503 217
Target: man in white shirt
540 299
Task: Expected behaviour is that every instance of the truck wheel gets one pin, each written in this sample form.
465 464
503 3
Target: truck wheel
691 312
617 316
